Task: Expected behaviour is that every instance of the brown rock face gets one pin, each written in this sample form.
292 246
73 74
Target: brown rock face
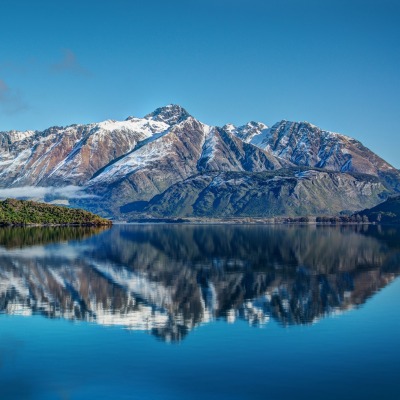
68 156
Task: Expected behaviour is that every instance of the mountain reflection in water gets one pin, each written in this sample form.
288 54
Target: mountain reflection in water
167 279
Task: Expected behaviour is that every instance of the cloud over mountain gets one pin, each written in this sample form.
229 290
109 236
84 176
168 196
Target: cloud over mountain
40 192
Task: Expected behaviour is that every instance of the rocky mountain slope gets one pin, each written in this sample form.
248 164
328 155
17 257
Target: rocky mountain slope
262 194
170 161
305 144
71 155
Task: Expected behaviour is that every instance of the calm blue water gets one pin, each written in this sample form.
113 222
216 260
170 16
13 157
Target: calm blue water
218 312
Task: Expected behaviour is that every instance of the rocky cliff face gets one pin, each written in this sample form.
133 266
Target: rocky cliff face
130 165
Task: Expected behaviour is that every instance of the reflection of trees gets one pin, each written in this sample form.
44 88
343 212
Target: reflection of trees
11 237
322 249
168 279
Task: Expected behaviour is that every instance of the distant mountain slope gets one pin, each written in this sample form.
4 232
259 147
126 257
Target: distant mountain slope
262 194
113 164
386 212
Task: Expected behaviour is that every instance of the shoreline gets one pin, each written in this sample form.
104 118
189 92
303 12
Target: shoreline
250 221
21 225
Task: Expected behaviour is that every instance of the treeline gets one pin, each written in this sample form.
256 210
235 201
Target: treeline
387 212
345 219
26 212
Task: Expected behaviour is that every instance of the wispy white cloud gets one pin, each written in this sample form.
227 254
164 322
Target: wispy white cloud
11 101
70 63
41 192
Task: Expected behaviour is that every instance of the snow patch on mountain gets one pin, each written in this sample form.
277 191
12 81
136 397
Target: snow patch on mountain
209 146
139 125
142 158
246 132
230 128
15 163
137 284
16 136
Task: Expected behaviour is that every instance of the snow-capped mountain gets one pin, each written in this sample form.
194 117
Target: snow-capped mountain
71 155
123 166
305 144
246 132
186 149
171 114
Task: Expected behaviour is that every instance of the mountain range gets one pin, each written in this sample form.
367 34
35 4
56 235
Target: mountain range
169 164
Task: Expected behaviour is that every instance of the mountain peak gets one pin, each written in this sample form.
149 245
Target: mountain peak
170 114
246 132
255 125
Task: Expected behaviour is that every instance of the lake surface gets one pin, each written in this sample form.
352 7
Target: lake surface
216 312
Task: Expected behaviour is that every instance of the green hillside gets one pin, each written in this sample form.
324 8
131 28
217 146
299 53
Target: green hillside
24 212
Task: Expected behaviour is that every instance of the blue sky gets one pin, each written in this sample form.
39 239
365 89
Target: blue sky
333 63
